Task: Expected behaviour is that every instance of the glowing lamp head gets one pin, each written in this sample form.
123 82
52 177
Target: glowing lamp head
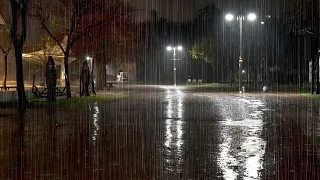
252 17
229 17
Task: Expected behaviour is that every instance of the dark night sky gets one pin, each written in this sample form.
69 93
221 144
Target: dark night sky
176 10
183 10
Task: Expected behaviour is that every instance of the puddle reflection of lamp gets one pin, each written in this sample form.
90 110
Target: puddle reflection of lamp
174 129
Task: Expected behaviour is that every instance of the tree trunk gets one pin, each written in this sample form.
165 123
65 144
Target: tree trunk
314 54
316 9
92 77
312 73
5 71
66 70
16 9
317 74
101 75
19 77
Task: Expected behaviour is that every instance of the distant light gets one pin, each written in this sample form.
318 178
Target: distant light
262 22
229 17
179 48
169 48
88 58
252 17
243 71
269 16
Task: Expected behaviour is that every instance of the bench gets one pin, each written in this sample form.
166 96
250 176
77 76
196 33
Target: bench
7 88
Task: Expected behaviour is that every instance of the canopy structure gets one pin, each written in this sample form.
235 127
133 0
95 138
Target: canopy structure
2 22
40 57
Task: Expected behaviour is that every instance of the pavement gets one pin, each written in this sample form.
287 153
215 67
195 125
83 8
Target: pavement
167 132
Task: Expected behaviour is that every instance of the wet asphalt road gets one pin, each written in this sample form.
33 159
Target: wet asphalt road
166 132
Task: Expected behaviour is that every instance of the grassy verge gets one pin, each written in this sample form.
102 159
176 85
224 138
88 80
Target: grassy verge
217 85
309 95
76 101
193 83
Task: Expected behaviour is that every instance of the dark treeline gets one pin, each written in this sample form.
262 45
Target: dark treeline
277 51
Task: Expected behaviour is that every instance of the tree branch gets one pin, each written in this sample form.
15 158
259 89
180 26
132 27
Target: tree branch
14 19
2 49
66 5
70 37
24 22
6 52
53 37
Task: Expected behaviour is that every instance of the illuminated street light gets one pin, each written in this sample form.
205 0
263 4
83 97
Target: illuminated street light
252 17
262 22
179 48
229 17
241 18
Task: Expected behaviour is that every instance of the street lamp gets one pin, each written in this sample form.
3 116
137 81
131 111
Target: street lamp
179 48
241 18
252 17
89 59
229 17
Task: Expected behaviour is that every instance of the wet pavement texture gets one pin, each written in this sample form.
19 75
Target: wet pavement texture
166 132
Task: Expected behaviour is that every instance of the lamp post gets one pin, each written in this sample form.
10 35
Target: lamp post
240 18
90 62
179 48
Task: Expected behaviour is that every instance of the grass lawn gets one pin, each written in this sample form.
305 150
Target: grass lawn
76 101
309 95
217 85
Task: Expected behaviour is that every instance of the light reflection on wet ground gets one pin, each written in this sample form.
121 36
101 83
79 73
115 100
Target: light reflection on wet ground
168 134
241 156
174 142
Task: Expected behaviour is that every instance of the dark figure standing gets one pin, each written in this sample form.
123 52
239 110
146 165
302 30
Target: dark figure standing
85 79
51 79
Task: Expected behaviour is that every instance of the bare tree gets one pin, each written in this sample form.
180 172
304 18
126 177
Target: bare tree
82 17
5 51
107 43
18 36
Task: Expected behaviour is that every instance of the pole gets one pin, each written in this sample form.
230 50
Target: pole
174 67
241 18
